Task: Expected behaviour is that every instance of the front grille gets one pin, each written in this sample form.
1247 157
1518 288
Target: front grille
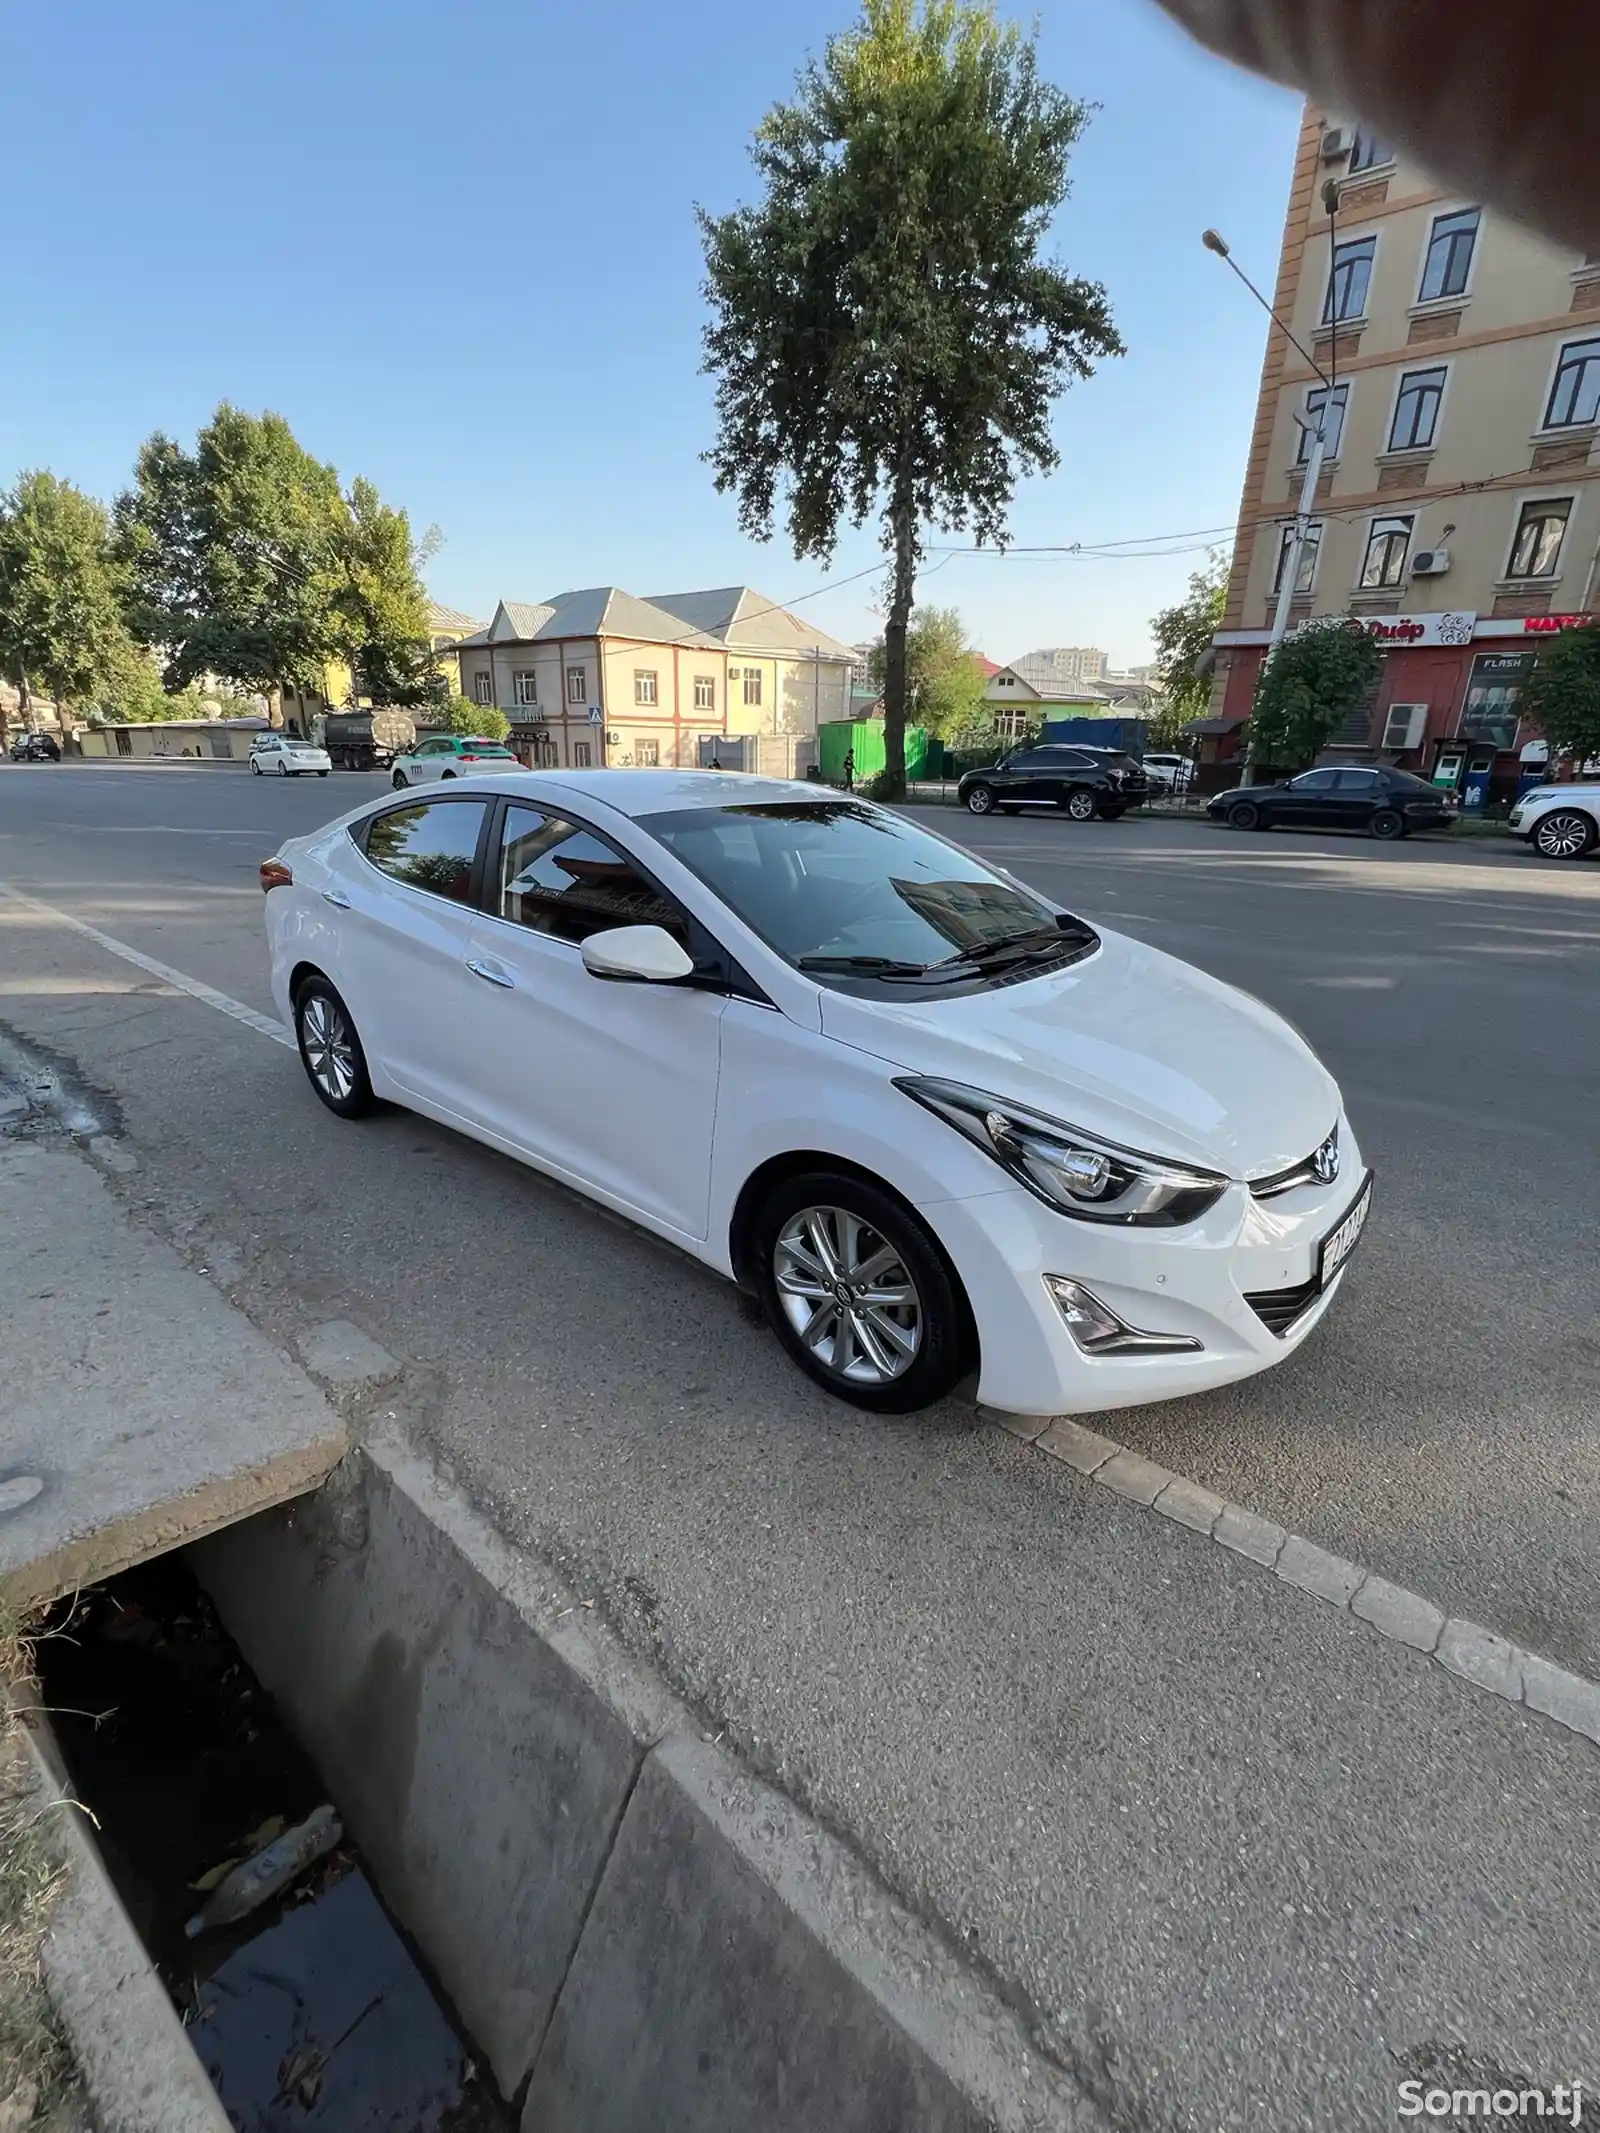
1280 1309
1301 1173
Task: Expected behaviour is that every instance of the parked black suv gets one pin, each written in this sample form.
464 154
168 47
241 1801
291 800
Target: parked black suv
1384 802
1085 781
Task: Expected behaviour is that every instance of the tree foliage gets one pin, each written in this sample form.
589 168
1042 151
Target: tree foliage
462 715
885 332
245 559
61 625
1308 688
1562 694
944 682
1183 635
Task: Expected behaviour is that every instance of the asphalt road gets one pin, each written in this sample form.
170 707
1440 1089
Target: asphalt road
1245 1864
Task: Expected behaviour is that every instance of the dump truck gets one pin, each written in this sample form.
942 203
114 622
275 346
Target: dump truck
367 740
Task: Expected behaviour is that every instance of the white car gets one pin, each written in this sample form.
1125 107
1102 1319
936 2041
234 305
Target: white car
933 1121
450 755
1561 821
1169 772
283 755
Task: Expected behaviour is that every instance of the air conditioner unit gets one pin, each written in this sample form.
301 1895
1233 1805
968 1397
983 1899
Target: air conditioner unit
613 739
1404 726
1430 562
1337 143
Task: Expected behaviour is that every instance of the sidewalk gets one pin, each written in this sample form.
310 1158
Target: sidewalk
138 1408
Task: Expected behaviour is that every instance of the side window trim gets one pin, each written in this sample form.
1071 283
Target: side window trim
473 900
729 974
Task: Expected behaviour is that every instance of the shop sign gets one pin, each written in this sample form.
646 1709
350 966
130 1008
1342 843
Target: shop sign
1404 631
1547 625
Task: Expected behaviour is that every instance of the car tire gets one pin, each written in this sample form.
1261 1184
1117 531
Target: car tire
1564 834
933 1309
255 767
1388 824
330 1050
444 775
322 773
283 768
1081 804
1244 815
979 799
400 782
1112 814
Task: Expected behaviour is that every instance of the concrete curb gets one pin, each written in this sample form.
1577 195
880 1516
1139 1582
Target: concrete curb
629 1924
139 2070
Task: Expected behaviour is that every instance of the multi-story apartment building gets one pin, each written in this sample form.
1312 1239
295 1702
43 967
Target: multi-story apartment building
1072 662
1455 361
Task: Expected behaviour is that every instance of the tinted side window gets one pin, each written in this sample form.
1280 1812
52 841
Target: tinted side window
1358 781
1314 781
1033 759
563 880
429 846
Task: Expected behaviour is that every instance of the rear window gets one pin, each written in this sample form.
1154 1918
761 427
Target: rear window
486 748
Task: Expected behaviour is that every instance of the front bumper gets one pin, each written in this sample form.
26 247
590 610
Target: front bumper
1190 1283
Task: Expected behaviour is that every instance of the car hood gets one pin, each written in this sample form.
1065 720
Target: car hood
1131 1044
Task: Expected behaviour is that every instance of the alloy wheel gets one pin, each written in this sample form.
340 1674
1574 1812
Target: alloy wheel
848 1294
1081 804
1563 835
979 800
329 1048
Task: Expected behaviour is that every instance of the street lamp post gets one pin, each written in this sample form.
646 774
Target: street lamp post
1300 528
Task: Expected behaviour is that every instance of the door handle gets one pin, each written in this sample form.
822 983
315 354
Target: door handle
490 977
337 898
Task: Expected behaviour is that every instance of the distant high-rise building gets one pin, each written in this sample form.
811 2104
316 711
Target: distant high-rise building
1073 662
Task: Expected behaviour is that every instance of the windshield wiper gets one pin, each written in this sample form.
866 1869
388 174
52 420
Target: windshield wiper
867 966
1037 941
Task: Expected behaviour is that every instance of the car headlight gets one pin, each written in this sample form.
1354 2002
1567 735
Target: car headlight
1074 1172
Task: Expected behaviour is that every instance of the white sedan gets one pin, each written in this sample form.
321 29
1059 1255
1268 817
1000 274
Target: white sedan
283 755
934 1122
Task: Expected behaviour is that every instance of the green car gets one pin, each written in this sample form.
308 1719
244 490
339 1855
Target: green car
450 755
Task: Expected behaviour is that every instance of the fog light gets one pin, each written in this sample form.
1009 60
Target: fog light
1098 1330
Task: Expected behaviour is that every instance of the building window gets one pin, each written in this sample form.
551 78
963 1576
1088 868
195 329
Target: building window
1416 409
1575 394
1541 528
483 688
1310 548
1011 724
577 685
1449 260
581 755
644 685
1317 403
1371 151
705 692
1347 283
524 687
647 754
1388 545
752 685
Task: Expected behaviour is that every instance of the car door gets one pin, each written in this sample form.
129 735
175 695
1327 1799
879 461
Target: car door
612 1084
1358 794
429 759
407 906
1306 802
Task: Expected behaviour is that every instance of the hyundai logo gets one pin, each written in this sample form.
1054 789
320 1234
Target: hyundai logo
1325 1163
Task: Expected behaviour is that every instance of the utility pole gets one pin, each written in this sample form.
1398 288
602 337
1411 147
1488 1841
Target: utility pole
1300 527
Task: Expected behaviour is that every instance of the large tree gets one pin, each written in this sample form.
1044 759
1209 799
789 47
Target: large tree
245 559
61 625
1309 686
1183 637
885 331
1562 694
944 682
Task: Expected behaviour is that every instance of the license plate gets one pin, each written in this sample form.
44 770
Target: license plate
1341 1242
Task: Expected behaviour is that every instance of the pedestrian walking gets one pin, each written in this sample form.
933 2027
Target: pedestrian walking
849 770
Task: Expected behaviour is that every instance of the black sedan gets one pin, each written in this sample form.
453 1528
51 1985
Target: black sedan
1085 781
1384 803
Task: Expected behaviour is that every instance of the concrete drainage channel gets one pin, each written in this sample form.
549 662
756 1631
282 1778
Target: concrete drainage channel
630 1934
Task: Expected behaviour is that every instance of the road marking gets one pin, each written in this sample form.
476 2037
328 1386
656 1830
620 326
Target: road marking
224 1003
1466 1649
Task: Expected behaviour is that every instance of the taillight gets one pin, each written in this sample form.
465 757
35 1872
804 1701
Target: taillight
276 874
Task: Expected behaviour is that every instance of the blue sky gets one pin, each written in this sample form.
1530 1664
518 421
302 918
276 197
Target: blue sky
455 246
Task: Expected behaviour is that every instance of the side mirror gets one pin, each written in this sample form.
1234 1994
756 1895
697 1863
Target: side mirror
644 954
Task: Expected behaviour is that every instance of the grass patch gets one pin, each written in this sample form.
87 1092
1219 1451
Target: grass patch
36 2074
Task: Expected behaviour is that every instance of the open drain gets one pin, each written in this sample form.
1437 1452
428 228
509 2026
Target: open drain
301 1996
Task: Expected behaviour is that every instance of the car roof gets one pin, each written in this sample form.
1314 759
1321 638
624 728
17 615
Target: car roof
657 792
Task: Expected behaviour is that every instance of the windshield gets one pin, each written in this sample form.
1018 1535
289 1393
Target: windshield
854 894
